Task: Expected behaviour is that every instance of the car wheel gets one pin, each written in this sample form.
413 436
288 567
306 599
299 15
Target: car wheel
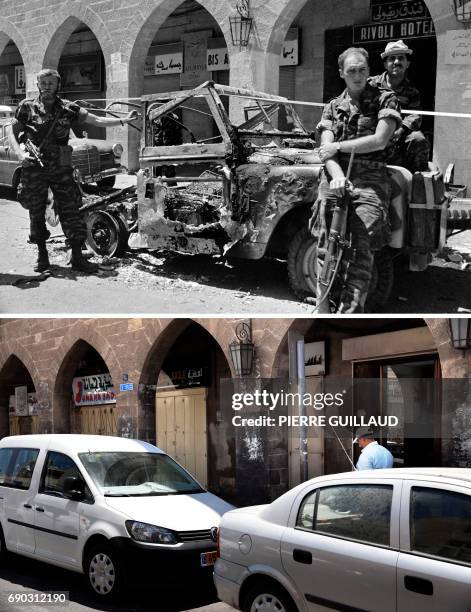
382 281
268 596
103 572
302 264
105 234
107 183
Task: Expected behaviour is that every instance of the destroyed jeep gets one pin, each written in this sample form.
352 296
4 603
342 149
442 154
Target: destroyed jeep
246 191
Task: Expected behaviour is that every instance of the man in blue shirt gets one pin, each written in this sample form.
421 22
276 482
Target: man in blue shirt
373 456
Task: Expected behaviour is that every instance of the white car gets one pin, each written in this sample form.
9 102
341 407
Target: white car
112 508
384 540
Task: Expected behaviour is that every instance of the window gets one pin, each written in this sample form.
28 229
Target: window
57 468
356 512
17 466
23 467
306 512
440 523
6 455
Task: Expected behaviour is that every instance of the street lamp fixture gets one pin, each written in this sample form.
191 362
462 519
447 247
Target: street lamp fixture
460 332
242 350
462 10
241 25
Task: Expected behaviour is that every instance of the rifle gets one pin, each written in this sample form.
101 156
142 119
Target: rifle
335 246
33 150
28 145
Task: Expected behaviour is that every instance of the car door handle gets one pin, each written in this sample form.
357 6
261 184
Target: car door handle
302 556
27 506
418 585
39 509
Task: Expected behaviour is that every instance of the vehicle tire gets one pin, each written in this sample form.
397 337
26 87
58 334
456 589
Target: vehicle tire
103 572
105 234
382 281
267 596
107 183
302 264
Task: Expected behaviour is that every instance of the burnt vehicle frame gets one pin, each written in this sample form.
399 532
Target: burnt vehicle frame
248 191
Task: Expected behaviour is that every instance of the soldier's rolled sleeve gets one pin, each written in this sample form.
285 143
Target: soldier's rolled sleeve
21 117
327 120
413 122
389 107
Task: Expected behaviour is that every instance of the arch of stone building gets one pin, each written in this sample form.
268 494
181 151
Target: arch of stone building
61 25
438 330
8 32
65 362
282 19
13 349
152 355
140 33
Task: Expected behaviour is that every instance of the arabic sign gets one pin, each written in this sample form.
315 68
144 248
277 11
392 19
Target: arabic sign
392 11
20 80
217 58
126 386
458 47
373 32
289 52
93 390
21 401
164 59
195 69
183 377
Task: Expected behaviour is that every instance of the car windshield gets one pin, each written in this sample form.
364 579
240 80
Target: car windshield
138 474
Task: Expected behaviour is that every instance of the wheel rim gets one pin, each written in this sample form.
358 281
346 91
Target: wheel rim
267 602
102 233
309 267
102 574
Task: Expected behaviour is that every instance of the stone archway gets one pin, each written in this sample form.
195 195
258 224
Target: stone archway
75 342
14 373
194 431
135 45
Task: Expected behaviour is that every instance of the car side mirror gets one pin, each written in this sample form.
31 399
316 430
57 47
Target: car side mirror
74 488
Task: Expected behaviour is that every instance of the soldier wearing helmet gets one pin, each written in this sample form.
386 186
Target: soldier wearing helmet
46 121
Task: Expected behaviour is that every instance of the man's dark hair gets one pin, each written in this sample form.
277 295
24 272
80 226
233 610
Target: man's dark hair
352 51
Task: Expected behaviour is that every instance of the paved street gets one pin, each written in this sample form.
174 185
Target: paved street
21 575
152 283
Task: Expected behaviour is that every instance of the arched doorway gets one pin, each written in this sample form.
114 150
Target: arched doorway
84 395
12 76
77 54
180 394
18 400
389 367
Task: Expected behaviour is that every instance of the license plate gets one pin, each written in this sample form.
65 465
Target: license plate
208 558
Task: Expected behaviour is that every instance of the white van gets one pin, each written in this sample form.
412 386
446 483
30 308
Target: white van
111 508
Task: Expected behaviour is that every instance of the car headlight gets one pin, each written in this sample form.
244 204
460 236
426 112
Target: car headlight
143 532
117 150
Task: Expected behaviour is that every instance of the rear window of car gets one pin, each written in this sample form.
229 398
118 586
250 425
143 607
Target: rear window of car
354 512
17 467
440 524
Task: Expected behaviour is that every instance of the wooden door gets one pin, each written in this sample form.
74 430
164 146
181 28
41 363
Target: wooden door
99 420
181 429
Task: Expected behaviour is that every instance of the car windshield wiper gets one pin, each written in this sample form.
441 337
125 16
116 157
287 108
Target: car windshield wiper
117 495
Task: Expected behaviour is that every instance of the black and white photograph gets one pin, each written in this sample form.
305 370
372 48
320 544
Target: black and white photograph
235 305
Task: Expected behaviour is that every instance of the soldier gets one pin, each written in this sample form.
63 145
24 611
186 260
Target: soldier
46 122
363 118
408 147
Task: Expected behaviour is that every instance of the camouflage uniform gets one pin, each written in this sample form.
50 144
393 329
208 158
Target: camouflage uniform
57 171
368 215
411 150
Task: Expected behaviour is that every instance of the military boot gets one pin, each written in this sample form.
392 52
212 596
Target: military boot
42 262
79 262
